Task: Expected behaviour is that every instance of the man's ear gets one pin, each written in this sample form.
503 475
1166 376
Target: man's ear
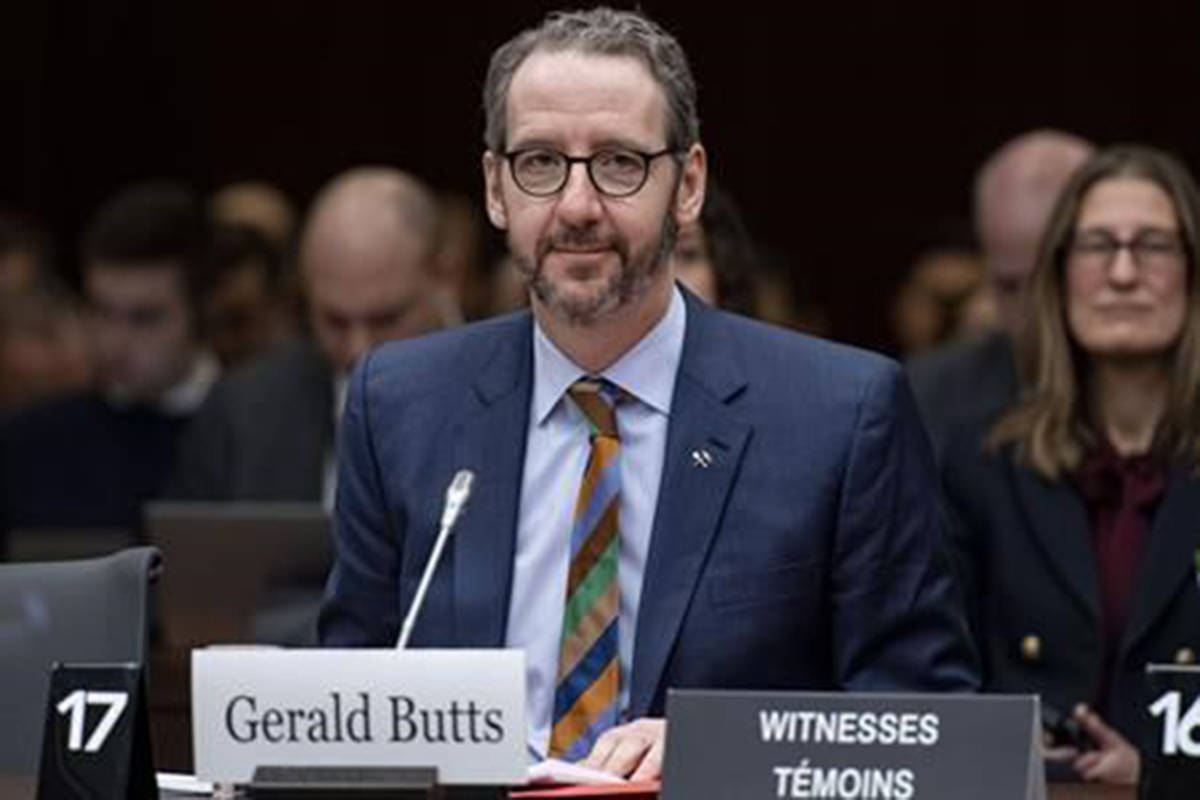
493 191
689 197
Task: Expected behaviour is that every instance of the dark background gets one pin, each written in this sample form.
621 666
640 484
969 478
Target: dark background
847 131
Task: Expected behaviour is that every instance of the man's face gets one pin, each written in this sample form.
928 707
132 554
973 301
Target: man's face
1010 235
241 314
142 328
359 298
585 255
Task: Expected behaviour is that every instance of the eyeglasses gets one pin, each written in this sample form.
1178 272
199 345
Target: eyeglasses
1151 249
541 172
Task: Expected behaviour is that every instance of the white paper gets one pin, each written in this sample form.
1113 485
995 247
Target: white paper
178 783
554 771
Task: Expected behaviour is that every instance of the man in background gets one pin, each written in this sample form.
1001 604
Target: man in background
45 348
366 255
257 205
92 459
24 254
247 308
1015 191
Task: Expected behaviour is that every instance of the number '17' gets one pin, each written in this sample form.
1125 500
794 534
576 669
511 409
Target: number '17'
75 704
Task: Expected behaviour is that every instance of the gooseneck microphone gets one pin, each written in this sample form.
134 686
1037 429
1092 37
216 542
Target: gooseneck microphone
456 499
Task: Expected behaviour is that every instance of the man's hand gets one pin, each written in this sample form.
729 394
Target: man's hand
1114 761
633 750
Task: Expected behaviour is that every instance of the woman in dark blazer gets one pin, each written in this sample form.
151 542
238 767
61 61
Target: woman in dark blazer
1077 513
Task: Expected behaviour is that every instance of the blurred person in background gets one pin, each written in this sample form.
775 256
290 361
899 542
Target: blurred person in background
367 255
257 205
1076 513
509 291
1015 191
714 255
367 262
23 253
270 211
246 308
945 297
92 459
459 263
785 298
44 347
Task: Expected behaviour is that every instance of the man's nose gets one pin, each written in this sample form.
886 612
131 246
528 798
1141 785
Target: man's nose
579 201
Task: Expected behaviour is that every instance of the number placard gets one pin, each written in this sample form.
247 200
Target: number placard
76 703
1178 732
96 741
1172 769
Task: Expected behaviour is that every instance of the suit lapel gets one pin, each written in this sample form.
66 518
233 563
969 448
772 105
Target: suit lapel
1169 558
491 441
703 430
1059 521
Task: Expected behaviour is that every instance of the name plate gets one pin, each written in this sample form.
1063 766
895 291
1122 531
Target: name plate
1172 768
461 711
724 745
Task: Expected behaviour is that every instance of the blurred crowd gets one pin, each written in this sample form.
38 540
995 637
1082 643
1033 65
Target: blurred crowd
1053 356
192 315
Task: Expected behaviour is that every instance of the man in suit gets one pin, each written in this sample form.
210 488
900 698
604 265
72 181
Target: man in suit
666 495
1015 191
89 460
267 431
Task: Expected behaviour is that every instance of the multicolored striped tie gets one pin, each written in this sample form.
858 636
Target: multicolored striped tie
589 673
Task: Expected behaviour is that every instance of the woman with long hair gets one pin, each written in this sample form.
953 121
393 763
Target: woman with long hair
1077 512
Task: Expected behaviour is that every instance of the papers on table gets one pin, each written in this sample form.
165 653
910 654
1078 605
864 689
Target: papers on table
175 783
554 771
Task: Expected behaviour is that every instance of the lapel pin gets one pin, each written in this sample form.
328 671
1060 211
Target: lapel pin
702 459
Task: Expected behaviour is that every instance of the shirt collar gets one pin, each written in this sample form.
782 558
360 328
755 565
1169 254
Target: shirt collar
188 394
647 371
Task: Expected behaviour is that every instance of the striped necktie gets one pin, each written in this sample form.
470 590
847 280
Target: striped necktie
589 678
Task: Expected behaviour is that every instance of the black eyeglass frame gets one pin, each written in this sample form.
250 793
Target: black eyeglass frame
1076 246
647 158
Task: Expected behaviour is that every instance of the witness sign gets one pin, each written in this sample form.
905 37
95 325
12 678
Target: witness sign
767 745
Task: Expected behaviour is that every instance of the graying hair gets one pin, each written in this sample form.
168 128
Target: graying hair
599 31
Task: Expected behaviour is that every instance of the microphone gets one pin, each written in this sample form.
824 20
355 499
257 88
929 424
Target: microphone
456 499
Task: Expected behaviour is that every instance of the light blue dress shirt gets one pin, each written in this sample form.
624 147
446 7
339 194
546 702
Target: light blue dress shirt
556 453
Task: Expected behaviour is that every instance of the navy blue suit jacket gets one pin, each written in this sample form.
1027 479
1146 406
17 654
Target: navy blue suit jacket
809 555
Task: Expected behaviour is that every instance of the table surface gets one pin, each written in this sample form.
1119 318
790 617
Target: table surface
23 787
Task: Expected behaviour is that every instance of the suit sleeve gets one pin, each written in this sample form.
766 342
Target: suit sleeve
898 621
202 466
361 602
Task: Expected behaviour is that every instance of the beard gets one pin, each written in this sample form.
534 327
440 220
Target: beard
630 283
